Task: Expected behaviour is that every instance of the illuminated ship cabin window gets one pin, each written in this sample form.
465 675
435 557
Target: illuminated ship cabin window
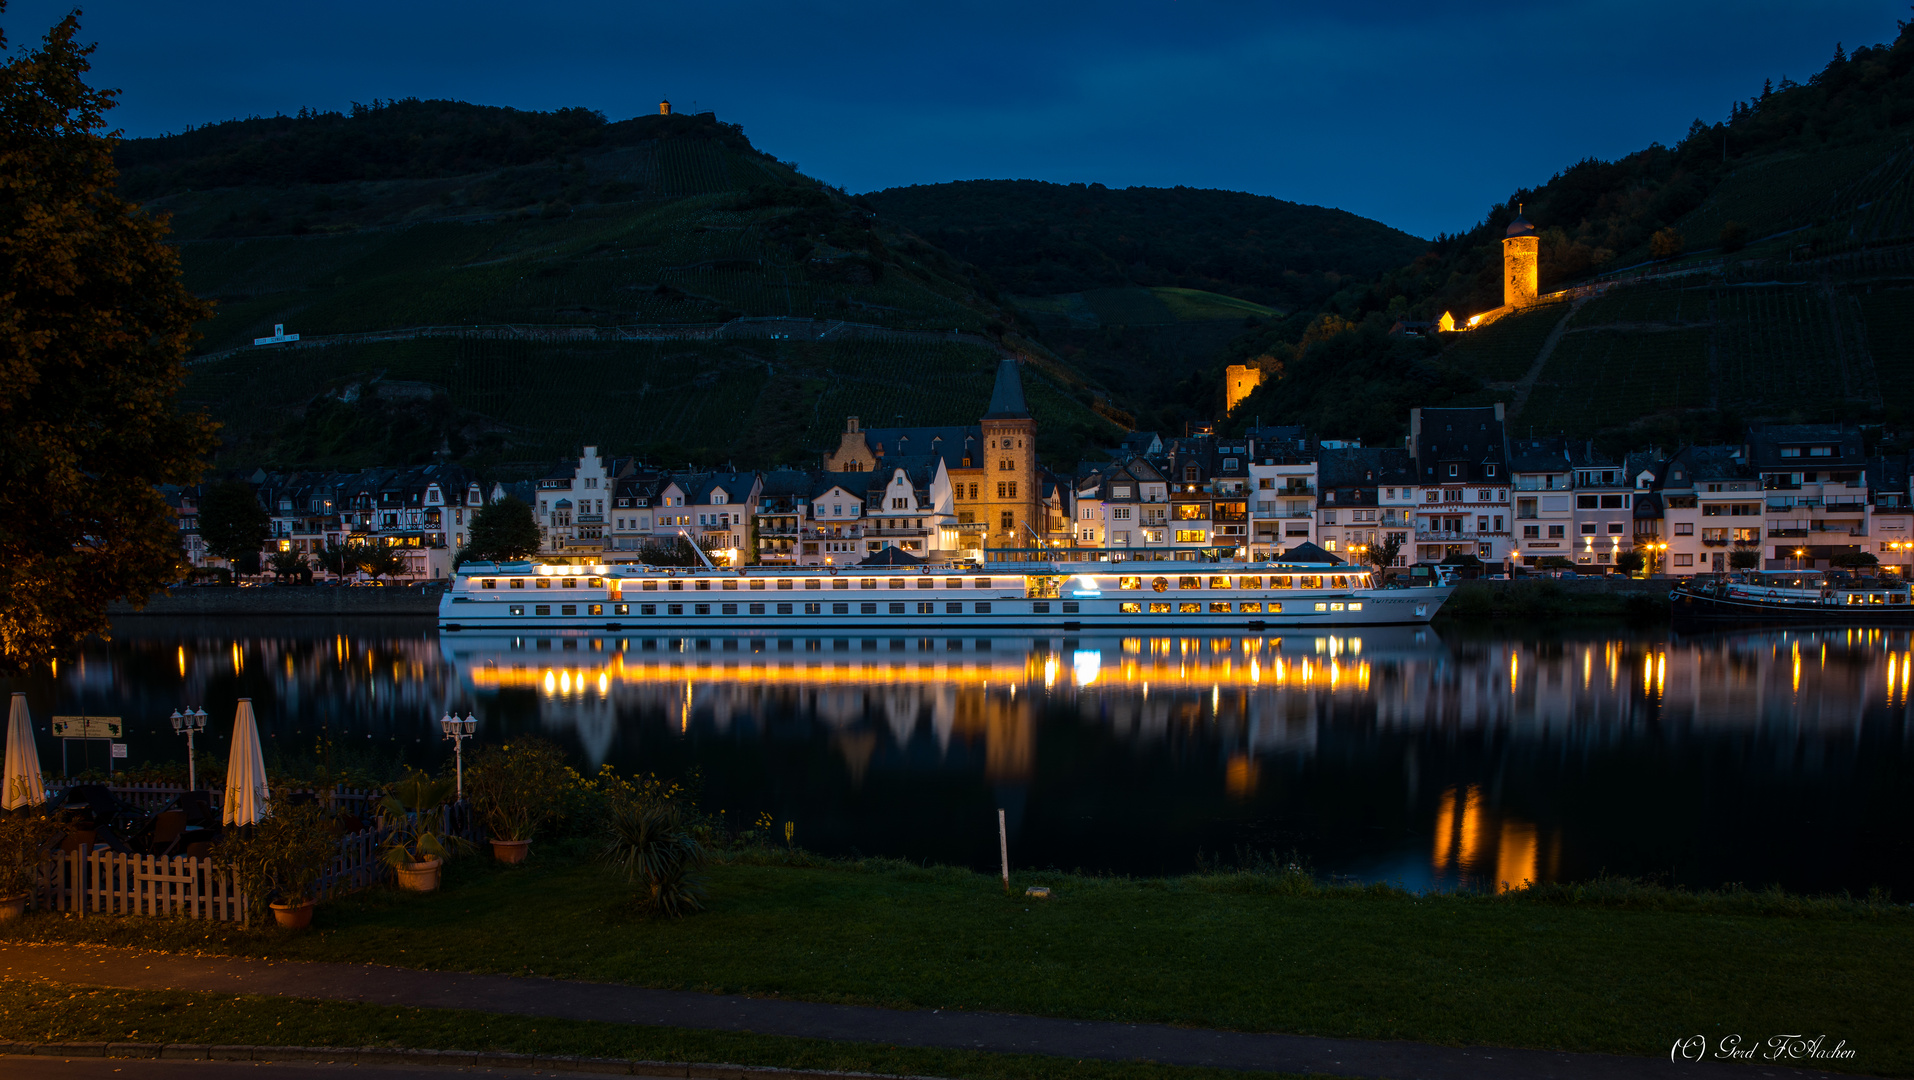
1322 607
813 583
1189 607
489 583
758 585
544 583
784 585
518 583
841 583
1159 584
1129 583
1312 581
649 586
1189 583
729 586
954 583
518 609
1340 581
1220 607
1250 607
1284 582
1159 607
897 583
571 583
701 586
1130 607
674 586
595 582
1275 609
1219 583
1335 607
1355 607
926 583
981 583
1252 583
867 583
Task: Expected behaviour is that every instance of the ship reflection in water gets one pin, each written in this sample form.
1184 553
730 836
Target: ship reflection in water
1436 759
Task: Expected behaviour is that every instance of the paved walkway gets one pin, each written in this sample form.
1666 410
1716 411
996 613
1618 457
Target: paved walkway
999 1032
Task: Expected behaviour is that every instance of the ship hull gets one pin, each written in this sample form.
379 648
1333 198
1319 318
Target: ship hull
1700 609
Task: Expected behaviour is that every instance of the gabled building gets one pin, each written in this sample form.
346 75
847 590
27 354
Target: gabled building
1541 474
1461 467
1710 505
1355 517
1282 482
1814 479
1890 521
1605 521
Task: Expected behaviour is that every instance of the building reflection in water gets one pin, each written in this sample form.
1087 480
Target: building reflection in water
1449 755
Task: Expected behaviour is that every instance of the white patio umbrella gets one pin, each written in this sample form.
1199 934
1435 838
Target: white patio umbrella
22 784
246 794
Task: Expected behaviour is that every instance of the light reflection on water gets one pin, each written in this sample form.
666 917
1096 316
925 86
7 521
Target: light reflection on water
1436 759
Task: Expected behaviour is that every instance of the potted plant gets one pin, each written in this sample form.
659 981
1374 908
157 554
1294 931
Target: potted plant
418 845
515 789
278 862
24 839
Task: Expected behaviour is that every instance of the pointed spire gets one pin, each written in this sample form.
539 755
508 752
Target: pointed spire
1006 398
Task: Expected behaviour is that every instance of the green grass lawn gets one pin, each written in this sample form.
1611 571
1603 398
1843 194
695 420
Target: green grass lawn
1612 972
40 1013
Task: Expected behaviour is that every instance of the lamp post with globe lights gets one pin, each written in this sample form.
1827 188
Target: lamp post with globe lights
189 723
458 731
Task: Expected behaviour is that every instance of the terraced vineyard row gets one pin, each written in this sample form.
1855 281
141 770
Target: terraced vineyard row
1777 350
1652 303
1890 338
1781 193
1600 378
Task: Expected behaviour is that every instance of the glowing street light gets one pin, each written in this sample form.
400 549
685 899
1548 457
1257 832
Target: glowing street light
458 731
189 723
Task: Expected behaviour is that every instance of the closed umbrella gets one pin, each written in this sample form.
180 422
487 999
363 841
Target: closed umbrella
23 785
245 801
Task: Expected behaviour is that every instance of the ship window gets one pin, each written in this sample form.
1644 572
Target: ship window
647 609
489 583
1312 581
594 582
813 583
1220 606
1130 607
674 586
1322 607
543 583
1159 584
1219 583
542 609
953 609
926 583
897 583
954 583
518 583
701 609
1069 607
756 609
728 609
568 609
983 608
981 583
621 609
867 609
1189 606
1341 582
897 609
571 583
1129 583
649 586
840 609
1335 607
701 586
1158 607
1284 582
867 583
1250 607
784 585
729 586
814 609
518 609
1041 607
1252 583
758 585
784 609
1355 607
927 609
841 583
674 609
1187 582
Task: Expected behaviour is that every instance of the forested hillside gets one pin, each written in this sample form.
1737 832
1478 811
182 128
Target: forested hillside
503 285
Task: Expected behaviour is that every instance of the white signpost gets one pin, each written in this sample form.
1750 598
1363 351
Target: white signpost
105 729
279 336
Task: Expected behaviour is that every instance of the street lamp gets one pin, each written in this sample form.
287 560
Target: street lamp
458 731
1800 555
189 723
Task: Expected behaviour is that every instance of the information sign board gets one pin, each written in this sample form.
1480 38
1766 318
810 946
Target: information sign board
86 727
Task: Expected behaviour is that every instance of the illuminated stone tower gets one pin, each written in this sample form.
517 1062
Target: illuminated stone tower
1239 381
1008 502
1520 257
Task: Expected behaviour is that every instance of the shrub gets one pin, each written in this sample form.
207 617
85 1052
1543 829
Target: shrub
649 840
24 839
518 787
282 857
411 808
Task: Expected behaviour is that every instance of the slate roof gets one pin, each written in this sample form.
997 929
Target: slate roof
1765 442
1546 454
1006 398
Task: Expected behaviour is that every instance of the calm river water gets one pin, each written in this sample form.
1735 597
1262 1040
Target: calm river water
1428 757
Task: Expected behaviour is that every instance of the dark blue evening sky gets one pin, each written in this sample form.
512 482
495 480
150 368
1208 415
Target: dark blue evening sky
1417 114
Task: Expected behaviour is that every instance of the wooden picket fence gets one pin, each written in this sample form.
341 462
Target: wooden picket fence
99 881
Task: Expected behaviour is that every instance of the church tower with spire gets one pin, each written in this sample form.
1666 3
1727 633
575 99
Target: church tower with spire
1521 255
1009 499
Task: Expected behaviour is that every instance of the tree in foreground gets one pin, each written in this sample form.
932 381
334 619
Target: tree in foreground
339 560
1382 554
94 332
233 525
381 560
503 531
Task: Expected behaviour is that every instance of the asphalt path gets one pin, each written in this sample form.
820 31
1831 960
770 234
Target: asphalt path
995 1032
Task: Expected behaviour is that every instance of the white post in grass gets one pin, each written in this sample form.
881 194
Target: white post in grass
1003 849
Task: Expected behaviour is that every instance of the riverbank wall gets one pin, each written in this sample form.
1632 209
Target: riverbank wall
1605 597
200 601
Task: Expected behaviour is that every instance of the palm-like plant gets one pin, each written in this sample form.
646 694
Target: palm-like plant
287 564
649 841
381 560
337 560
411 808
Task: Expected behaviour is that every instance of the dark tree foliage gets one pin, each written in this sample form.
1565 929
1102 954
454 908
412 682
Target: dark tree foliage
1352 379
408 138
1038 238
232 524
93 334
503 531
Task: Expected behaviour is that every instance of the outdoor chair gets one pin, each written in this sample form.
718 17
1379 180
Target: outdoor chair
79 839
168 827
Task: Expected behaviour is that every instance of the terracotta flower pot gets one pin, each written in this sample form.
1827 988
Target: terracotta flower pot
420 876
511 851
13 907
293 916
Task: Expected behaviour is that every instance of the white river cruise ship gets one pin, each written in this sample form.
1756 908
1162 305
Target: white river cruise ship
1135 593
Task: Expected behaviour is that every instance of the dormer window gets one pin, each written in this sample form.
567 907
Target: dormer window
1488 470
1455 470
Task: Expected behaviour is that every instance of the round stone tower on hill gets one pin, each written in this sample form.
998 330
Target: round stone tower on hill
1521 254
